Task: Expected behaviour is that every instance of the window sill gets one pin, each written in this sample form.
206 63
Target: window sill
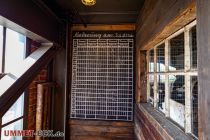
164 127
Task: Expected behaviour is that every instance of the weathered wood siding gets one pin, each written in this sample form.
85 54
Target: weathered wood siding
101 130
160 18
152 125
203 38
144 129
141 77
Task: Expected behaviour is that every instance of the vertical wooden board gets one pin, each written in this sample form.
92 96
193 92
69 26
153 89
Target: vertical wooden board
137 85
203 40
143 77
39 109
105 130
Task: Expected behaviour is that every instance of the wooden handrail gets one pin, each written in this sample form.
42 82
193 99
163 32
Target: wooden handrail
14 84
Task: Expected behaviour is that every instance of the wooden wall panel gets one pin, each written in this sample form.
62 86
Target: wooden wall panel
101 130
126 27
142 125
161 18
203 38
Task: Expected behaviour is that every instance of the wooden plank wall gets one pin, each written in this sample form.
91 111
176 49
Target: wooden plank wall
141 77
101 130
203 38
144 129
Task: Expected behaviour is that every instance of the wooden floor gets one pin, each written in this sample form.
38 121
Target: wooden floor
101 130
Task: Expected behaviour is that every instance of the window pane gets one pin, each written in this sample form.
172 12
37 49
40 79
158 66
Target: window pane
15 111
161 58
177 89
151 61
15 50
151 85
194 90
18 125
161 92
177 53
1 47
194 48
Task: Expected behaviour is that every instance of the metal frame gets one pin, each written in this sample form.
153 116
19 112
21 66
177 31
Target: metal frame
187 72
108 109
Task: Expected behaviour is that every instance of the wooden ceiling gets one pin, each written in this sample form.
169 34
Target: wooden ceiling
104 12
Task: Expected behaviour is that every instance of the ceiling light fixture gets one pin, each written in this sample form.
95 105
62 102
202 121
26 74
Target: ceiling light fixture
89 2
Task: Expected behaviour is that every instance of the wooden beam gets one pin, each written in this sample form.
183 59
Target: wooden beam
30 17
137 84
13 84
126 27
162 19
143 76
203 45
167 90
101 130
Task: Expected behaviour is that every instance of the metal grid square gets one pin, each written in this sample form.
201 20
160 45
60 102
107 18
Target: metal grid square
102 78
194 48
161 58
177 53
161 92
177 89
194 92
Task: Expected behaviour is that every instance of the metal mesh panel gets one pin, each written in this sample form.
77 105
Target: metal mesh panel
177 53
161 92
161 58
177 88
194 48
151 61
194 90
102 78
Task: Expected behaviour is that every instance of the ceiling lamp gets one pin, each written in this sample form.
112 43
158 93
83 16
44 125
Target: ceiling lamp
89 2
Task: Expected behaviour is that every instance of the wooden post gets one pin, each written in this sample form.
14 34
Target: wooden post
39 109
188 99
155 78
203 43
137 94
43 108
167 90
143 77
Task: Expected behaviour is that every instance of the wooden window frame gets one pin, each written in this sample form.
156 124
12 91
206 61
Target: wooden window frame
187 72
